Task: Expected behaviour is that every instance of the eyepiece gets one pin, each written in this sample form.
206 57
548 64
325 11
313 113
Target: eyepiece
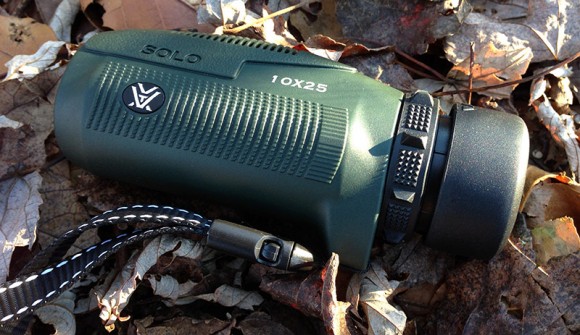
469 179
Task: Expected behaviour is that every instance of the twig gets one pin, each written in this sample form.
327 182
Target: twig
267 17
421 64
411 69
514 82
471 61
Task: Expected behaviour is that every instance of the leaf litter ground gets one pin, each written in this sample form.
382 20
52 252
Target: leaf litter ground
531 287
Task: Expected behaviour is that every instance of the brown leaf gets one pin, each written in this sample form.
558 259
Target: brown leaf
506 295
28 102
491 67
313 294
299 290
21 37
333 311
61 209
549 197
327 47
155 14
409 25
555 238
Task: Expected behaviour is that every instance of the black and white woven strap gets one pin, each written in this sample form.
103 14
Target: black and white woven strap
21 296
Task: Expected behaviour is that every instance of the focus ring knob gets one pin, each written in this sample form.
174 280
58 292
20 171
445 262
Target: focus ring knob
408 168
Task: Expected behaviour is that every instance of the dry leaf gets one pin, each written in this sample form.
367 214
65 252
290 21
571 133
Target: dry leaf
324 22
21 37
502 10
329 48
222 12
59 314
555 238
62 19
276 31
506 295
313 294
333 311
28 66
230 296
30 103
563 131
168 287
491 67
375 290
118 294
551 30
409 25
155 14
61 209
9 123
19 202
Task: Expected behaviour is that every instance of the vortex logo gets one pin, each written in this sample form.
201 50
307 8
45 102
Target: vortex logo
143 97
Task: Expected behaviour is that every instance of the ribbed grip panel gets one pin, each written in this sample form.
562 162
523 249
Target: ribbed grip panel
278 133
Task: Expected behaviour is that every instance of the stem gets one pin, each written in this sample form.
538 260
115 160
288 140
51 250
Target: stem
267 17
514 82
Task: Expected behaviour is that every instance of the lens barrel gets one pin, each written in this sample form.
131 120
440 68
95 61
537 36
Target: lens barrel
457 179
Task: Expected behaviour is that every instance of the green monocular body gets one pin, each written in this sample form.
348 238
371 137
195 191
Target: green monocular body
332 154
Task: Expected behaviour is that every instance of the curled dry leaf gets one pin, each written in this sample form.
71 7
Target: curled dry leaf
230 296
491 67
62 19
28 66
375 290
19 202
329 48
551 205
168 287
118 294
59 314
21 37
563 131
313 294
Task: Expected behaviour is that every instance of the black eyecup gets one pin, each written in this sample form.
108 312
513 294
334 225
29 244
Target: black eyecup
482 184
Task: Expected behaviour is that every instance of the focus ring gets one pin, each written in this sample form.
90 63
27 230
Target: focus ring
408 168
